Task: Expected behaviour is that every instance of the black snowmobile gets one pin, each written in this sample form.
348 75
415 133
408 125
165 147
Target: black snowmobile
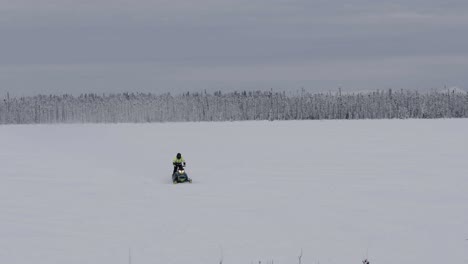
180 175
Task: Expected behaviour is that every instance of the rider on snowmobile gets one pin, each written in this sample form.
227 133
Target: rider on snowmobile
178 161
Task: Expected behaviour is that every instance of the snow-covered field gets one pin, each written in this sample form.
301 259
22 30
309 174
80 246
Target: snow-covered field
79 194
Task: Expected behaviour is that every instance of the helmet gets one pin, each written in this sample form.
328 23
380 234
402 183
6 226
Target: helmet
179 155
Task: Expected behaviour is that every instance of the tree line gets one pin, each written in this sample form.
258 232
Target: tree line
232 106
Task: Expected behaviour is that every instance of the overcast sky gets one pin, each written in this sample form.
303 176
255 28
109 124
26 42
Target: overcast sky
75 46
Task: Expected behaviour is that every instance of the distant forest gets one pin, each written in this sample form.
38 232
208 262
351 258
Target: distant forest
233 106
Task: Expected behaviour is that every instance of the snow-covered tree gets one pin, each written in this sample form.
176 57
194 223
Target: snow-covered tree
252 105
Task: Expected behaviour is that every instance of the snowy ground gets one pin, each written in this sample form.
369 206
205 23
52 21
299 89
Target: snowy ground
262 191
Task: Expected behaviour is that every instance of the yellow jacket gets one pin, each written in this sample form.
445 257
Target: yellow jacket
178 161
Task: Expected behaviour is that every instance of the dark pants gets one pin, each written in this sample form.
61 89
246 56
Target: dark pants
176 166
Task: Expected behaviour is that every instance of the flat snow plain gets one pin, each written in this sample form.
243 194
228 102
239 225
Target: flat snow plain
262 191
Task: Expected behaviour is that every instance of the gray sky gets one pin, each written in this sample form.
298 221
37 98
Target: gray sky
75 46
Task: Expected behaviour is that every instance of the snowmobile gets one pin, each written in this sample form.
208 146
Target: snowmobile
180 175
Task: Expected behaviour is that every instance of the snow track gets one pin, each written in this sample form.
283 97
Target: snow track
261 191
